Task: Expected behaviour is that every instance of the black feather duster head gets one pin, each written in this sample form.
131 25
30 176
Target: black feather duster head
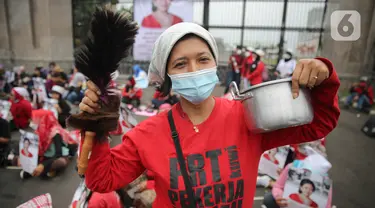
109 40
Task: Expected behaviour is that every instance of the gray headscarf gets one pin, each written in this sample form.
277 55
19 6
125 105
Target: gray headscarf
164 45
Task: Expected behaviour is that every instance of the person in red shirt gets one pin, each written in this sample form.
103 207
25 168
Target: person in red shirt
25 150
254 71
306 188
160 17
131 94
222 155
248 59
235 63
20 108
362 93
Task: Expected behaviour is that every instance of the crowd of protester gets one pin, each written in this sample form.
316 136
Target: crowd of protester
246 67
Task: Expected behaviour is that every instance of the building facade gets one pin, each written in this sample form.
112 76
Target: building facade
36 32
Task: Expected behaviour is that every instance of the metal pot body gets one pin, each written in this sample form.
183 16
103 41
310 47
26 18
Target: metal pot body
270 106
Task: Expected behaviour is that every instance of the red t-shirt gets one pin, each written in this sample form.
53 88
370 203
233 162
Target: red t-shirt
23 152
295 197
222 157
150 21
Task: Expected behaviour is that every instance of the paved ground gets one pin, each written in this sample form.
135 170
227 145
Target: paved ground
351 153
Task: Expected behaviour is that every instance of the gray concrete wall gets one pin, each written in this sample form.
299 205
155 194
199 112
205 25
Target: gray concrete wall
351 58
52 39
4 40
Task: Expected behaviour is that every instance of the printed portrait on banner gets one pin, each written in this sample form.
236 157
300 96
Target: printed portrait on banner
153 17
306 189
29 147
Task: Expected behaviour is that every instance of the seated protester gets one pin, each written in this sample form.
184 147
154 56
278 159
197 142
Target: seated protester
20 108
28 83
4 142
362 93
55 145
275 198
38 73
75 84
172 98
54 79
130 94
158 99
63 76
62 106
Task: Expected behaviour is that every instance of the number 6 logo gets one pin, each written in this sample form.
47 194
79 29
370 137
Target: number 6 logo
345 25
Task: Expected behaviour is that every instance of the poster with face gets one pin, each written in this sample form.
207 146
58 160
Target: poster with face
29 147
5 109
81 196
39 92
153 17
127 119
306 189
272 161
49 104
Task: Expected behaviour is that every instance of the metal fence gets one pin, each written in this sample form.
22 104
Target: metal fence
272 25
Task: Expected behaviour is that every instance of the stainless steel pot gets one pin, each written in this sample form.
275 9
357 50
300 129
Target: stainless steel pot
270 106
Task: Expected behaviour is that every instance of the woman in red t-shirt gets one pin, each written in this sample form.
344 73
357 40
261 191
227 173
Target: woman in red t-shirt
160 17
254 71
305 190
222 155
25 150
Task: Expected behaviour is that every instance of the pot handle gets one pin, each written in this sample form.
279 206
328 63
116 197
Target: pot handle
236 93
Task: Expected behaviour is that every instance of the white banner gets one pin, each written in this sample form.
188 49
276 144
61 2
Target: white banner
49 104
153 17
5 109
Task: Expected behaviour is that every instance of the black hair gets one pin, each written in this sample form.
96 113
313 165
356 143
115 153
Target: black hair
165 88
306 181
125 199
26 139
52 63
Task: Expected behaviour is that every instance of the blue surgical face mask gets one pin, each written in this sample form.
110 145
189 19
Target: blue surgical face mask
195 86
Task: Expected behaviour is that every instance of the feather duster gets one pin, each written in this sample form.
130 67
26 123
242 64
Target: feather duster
109 40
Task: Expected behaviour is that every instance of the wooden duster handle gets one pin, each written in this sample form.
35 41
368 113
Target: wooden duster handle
85 152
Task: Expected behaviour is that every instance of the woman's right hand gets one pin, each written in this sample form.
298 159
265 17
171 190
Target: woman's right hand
281 202
89 103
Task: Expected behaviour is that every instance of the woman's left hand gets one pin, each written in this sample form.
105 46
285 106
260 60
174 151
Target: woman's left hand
308 73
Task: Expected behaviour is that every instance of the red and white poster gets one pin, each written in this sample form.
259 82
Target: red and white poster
272 161
153 17
29 148
306 189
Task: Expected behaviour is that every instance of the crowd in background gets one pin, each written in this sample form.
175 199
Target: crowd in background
246 67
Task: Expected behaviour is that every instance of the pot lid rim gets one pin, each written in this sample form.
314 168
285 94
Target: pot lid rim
289 79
